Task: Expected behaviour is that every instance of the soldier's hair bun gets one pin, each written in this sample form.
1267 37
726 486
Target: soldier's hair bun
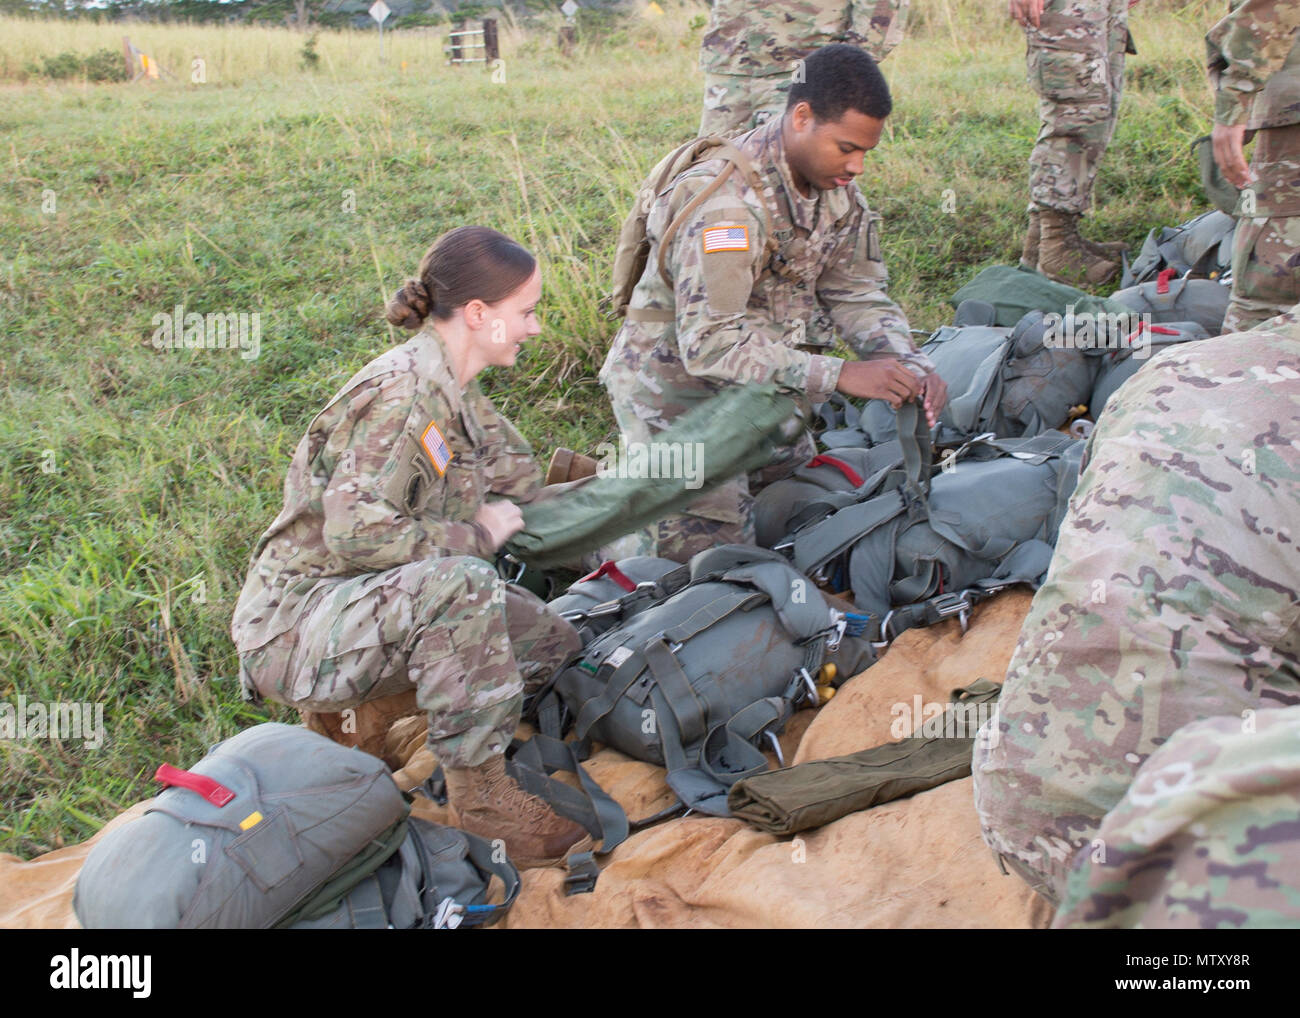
464 264
411 305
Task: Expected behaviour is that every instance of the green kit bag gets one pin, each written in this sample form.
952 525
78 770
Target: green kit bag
740 429
815 793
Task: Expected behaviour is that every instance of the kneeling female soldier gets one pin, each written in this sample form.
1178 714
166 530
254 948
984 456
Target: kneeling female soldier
373 579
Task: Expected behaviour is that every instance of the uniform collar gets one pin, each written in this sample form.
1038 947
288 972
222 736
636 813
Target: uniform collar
767 145
436 365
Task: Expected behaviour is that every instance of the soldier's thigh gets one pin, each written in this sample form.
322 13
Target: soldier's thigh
724 516
1265 268
354 643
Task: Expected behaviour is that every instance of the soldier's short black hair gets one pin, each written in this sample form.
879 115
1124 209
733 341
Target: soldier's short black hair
837 78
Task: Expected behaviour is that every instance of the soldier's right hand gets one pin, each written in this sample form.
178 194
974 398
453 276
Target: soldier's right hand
885 379
1027 12
502 520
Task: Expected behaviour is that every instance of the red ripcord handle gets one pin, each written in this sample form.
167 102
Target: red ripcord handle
853 477
614 573
1163 277
215 792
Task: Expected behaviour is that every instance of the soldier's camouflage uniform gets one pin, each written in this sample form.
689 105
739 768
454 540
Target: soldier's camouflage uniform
1254 64
1172 598
737 315
1076 66
1206 836
751 51
374 578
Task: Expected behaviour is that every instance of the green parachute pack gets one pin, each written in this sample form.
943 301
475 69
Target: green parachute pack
740 429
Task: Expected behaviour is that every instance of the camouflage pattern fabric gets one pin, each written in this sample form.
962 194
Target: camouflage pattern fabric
1207 836
1172 596
739 316
1254 64
372 580
1076 66
751 50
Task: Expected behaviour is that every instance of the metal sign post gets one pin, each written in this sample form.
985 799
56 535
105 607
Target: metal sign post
380 11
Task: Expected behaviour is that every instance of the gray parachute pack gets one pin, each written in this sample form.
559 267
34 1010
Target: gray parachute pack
281 827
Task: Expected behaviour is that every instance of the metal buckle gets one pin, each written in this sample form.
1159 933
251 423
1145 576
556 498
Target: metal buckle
810 685
776 745
947 605
839 626
582 875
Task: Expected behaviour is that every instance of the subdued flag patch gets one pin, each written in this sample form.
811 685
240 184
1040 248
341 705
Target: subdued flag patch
436 447
726 238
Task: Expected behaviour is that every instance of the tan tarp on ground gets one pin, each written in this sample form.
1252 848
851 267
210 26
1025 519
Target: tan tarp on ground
918 862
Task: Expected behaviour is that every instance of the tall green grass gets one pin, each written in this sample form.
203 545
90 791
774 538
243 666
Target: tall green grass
135 481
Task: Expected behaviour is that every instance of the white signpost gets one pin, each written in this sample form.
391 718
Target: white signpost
569 10
380 11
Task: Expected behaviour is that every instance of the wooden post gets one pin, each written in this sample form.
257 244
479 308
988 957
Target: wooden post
490 49
455 41
568 39
126 52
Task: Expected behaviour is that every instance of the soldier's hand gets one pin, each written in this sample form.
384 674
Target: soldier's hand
1027 12
1227 143
934 393
502 520
885 379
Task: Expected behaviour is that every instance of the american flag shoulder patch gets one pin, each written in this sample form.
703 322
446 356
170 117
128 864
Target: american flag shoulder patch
726 238
436 446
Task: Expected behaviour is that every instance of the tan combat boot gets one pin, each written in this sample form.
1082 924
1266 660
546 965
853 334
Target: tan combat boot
1029 257
486 801
1065 257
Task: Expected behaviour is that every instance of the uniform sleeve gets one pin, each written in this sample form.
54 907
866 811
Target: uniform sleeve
852 286
716 257
378 498
1244 50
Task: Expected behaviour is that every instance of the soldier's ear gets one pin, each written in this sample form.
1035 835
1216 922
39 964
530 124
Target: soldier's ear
475 314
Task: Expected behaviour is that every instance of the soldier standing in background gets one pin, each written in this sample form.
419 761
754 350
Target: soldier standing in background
1254 65
1076 65
376 578
751 51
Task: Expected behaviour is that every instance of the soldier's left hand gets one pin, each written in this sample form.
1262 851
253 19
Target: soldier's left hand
934 396
1227 143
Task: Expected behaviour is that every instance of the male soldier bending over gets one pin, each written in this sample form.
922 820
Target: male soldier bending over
753 271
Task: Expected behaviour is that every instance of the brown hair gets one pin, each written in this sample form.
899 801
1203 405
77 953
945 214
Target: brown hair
464 264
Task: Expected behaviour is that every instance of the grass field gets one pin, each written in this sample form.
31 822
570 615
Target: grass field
134 481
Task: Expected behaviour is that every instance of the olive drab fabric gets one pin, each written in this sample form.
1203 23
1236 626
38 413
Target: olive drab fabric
1173 597
1014 293
818 792
372 580
738 430
279 826
750 51
1253 59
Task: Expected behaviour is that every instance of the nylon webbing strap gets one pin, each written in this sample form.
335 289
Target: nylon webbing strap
482 855
617 682
533 763
736 159
677 690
